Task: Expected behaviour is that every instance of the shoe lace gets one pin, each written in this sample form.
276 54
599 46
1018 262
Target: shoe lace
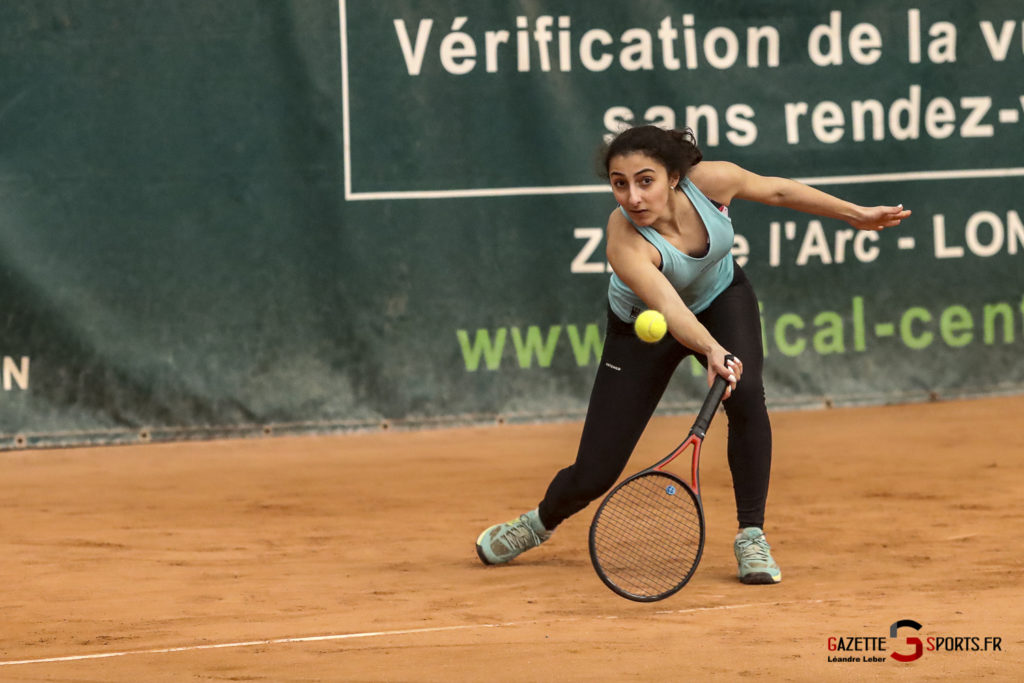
756 549
520 536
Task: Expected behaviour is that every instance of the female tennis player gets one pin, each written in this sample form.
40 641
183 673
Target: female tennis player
669 243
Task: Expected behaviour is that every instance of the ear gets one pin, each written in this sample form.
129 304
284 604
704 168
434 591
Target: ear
673 180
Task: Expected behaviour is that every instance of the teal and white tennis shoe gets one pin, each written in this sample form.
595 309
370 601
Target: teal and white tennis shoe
502 542
755 558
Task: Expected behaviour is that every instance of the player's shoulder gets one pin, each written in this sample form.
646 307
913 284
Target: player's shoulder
615 215
717 179
714 172
618 223
620 233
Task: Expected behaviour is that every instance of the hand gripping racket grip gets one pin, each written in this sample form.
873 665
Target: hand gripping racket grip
714 397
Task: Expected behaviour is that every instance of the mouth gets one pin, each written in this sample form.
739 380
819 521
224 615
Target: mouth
639 215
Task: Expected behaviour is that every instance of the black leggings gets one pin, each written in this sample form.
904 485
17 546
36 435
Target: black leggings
631 379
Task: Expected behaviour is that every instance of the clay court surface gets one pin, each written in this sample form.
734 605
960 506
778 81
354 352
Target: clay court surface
350 558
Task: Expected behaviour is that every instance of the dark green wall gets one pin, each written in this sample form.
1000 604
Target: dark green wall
239 218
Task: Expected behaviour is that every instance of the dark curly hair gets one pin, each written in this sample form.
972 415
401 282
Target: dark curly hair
676 149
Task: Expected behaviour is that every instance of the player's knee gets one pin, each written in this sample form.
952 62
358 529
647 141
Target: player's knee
747 404
595 485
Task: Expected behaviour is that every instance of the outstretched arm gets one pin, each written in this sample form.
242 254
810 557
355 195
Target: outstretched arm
724 181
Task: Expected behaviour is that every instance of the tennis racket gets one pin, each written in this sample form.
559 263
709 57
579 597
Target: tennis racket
648 533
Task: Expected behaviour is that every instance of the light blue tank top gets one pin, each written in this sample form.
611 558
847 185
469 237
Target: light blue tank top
698 280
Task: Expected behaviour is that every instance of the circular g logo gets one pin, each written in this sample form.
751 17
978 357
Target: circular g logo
916 642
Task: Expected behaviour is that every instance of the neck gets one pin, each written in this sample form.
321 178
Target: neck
669 221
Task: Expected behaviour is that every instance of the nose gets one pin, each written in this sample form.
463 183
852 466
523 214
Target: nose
634 196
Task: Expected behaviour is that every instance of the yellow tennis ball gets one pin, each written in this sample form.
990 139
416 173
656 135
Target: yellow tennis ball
650 326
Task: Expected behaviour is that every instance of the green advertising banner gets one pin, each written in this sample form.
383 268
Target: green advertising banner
267 217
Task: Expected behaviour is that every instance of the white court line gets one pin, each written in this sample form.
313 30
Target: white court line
753 604
248 643
368 634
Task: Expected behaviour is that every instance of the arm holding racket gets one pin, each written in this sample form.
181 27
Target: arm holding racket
629 255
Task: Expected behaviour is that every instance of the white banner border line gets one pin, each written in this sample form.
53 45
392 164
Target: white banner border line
907 176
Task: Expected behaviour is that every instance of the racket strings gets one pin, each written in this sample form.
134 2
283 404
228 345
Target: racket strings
648 536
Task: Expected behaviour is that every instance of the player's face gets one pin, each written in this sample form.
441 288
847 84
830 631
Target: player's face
641 185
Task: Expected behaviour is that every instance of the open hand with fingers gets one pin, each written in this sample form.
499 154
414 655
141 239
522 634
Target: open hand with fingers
879 217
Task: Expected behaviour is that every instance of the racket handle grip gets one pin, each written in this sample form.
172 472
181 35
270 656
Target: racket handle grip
711 402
